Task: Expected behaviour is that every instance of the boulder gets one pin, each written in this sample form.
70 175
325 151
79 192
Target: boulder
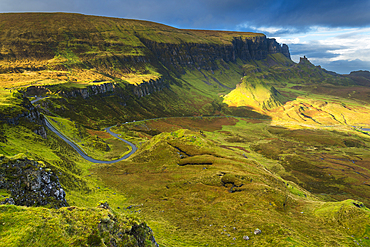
30 183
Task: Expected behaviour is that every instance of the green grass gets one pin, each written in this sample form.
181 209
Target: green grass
192 203
106 147
256 94
31 226
296 172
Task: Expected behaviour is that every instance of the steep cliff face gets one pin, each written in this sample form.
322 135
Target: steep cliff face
149 87
89 91
29 112
205 56
275 47
141 90
40 41
37 90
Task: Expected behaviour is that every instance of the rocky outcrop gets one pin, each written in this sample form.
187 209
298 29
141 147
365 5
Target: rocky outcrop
31 183
41 132
285 51
89 91
304 61
29 113
205 56
149 87
274 47
37 90
112 232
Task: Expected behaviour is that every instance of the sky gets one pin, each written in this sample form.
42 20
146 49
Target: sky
334 34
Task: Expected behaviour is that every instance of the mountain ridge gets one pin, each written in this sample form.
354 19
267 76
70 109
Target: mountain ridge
74 40
287 163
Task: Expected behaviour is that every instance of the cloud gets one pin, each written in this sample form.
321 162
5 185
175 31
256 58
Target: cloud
268 30
287 15
325 31
337 49
313 50
345 66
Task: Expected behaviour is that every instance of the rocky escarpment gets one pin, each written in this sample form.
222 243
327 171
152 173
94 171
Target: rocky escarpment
30 183
149 87
205 56
41 41
37 90
141 90
28 111
89 91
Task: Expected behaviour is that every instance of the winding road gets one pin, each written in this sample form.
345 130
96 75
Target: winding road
81 152
38 98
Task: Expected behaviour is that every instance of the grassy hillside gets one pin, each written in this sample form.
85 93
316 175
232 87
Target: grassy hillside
70 226
225 177
283 152
55 48
255 94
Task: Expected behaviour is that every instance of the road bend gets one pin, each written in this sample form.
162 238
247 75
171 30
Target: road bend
80 151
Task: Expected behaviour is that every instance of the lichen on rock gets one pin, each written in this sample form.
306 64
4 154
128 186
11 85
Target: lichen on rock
30 183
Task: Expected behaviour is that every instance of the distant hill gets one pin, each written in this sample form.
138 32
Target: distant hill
361 77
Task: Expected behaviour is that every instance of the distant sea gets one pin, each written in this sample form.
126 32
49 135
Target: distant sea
366 129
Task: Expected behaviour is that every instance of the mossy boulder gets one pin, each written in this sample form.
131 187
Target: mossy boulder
31 183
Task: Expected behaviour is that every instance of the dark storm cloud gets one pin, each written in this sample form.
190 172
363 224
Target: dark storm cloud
213 14
331 13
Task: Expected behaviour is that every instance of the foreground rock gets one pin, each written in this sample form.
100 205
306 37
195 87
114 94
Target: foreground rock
30 183
72 226
113 232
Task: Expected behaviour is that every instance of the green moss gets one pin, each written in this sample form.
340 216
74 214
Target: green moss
68 226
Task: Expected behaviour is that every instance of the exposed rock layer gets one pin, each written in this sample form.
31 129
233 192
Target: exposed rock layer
89 91
149 87
204 56
31 184
28 113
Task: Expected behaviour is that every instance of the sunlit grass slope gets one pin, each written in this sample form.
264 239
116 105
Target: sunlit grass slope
255 94
198 188
300 94
69 226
